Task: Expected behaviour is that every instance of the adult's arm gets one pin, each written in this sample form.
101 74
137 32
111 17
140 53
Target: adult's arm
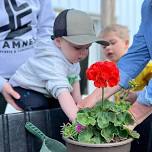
139 112
2 82
138 55
133 62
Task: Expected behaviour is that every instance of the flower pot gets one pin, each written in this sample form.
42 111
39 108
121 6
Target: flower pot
74 146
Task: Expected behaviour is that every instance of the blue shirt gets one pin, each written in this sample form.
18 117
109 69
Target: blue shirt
139 54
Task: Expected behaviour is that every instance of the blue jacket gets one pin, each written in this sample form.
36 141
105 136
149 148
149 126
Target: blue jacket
139 54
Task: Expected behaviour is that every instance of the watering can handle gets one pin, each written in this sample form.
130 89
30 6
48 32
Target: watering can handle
35 131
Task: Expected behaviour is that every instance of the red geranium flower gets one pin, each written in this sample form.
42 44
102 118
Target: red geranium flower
103 74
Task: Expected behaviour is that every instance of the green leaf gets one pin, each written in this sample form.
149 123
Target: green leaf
122 133
104 118
121 106
107 105
123 118
69 131
97 138
134 134
128 119
108 133
86 135
85 120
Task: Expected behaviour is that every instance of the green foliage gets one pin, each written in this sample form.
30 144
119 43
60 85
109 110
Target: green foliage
69 131
103 123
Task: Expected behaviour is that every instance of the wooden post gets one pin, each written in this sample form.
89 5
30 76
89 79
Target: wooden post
107 15
107 12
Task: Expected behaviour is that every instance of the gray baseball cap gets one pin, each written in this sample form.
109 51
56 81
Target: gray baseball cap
76 27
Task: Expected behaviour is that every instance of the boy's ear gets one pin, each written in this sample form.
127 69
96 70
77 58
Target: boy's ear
57 42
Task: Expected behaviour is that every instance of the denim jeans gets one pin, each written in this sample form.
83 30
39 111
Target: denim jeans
32 100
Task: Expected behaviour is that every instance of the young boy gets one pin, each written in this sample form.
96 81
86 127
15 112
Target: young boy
118 37
55 72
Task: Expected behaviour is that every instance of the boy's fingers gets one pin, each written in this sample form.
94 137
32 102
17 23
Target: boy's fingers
14 94
84 105
80 105
9 91
12 102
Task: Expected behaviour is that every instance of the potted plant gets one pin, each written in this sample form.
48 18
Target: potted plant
103 127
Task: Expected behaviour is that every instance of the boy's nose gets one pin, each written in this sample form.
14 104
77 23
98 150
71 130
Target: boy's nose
108 47
82 53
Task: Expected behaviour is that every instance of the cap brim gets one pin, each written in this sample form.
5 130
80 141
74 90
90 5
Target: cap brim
85 39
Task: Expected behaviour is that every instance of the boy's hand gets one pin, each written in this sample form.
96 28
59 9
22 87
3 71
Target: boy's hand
94 97
84 104
87 102
9 93
90 100
140 113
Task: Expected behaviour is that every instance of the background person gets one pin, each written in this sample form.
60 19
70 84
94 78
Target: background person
22 24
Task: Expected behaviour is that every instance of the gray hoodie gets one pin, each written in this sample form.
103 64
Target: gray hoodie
47 72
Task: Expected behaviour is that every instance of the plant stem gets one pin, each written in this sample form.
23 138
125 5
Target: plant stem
102 98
